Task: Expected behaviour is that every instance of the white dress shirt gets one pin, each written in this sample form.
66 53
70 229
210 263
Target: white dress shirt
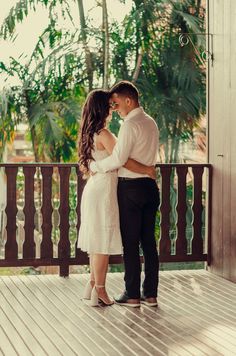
138 138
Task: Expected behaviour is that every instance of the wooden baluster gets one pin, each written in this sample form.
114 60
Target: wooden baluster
64 209
80 187
29 211
181 208
165 244
11 247
46 248
197 241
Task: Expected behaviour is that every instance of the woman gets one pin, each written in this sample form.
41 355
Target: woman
99 233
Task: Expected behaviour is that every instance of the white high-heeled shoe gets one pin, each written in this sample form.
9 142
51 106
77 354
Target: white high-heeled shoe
95 299
88 290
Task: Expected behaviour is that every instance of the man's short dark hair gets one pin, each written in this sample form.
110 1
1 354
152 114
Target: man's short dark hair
125 88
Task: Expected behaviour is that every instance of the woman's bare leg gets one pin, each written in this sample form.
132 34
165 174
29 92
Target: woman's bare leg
92 277
100 266
90 284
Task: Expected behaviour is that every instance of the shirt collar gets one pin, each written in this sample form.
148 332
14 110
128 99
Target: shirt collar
133 113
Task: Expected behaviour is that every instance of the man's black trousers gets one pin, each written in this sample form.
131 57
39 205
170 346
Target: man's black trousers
138 203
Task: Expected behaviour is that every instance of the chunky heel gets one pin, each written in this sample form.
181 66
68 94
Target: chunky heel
88 290
94 297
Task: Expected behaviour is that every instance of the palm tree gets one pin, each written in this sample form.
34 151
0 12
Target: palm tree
49 98
21 10
48 95
171 79
144 49
105 32
84 35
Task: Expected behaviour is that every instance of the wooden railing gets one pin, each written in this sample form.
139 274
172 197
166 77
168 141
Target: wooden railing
182 229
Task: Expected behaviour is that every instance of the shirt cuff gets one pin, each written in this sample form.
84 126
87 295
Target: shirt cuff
93 167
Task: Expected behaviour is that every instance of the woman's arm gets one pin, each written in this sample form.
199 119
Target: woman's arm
108 141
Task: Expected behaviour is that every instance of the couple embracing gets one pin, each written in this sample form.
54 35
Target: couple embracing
121 198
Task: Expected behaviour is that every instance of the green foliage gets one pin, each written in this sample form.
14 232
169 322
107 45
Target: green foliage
22 9
49 98
114 124
30 271
8 118
181 266
144 48
171 78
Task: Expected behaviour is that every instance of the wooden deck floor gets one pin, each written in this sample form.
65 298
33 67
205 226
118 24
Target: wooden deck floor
44 315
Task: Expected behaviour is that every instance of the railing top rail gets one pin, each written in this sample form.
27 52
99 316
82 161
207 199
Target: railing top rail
37 164
207 165
42 164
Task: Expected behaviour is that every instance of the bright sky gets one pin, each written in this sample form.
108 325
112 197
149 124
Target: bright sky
33 26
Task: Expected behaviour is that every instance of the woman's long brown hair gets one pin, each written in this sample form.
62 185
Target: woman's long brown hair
94 114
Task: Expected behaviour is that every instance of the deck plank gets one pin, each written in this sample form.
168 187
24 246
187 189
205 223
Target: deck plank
78 312
119 317
195 315
167 323
6 346
204 309
217 320
103 316
46 315
62 336
17 324
34 318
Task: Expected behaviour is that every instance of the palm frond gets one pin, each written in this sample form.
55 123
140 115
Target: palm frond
192 22
52 132
21 10
48 61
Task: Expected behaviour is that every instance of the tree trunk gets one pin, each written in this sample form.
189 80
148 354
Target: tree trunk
105 32
172 146
174 156
166 151
88 57
142 40
2 149
35 144
138 51
137 68
198 6
176 152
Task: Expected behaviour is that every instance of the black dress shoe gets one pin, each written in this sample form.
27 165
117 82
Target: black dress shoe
124 300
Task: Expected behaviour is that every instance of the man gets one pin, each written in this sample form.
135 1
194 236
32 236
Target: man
138 195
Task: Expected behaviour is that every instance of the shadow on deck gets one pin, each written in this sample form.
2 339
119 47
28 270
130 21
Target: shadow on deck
45 315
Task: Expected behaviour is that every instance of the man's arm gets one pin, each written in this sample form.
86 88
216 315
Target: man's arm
120 153
137 167
108 141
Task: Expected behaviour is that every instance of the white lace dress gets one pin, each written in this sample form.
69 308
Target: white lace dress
100 229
